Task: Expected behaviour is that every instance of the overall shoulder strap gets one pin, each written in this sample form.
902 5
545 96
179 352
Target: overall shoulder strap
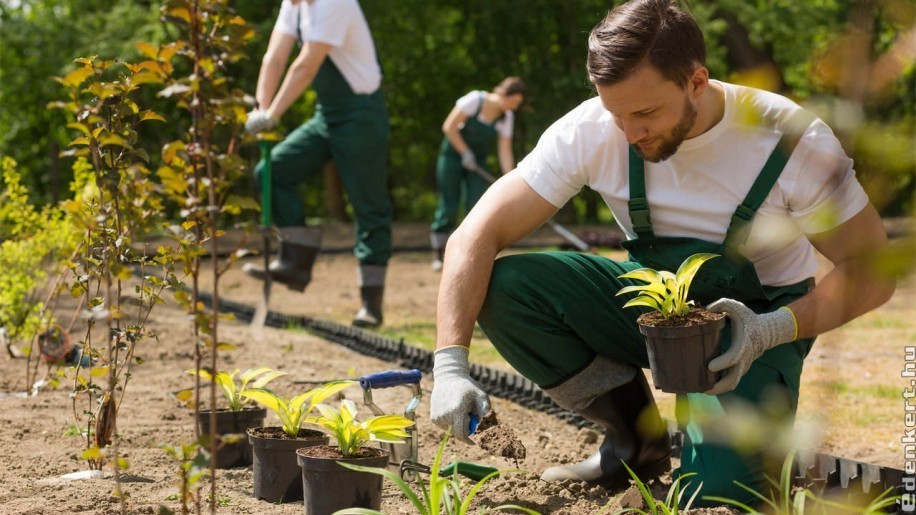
739 227
638 205
483 98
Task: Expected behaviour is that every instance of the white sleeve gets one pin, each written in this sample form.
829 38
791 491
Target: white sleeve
825 192
288 19
504 127
554 168
469 103
329 22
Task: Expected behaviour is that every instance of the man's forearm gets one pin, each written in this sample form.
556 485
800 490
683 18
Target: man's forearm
295 82
268 81
850 290
462 291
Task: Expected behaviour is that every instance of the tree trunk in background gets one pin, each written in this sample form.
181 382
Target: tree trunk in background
335 207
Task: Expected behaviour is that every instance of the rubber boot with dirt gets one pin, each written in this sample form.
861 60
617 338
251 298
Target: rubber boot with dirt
371 292
437 240
296 255
634 433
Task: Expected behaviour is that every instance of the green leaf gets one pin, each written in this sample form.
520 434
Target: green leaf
644 301
643 274
76 77
150 115
147 49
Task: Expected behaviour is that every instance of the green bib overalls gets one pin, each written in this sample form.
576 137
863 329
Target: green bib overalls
453 180
351 129
550 314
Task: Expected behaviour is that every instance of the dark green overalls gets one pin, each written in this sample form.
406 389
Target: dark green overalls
549 314
453 180
352 129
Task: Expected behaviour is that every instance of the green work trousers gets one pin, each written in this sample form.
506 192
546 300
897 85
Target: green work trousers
550 314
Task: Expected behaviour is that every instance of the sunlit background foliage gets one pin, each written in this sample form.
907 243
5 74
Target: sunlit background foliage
850 61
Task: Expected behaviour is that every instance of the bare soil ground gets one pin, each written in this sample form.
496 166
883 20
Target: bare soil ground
851 396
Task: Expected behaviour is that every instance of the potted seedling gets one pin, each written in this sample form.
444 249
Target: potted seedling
327 486
681 337
234 449
277 477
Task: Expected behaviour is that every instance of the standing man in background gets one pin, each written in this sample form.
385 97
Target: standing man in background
350 126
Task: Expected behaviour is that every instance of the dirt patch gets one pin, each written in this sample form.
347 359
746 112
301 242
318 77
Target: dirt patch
499 440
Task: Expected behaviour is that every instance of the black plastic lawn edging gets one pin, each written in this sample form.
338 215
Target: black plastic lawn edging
820 472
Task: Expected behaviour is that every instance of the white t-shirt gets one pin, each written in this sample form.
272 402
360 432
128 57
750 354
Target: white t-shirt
470 103
695 192
341 24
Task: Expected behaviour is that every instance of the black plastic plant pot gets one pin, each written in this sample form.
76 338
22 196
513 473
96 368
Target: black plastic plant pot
328 487
679 356
237 453
277 476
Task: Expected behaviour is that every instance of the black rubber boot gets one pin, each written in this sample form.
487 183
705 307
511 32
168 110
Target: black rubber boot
370 314
292 267
634 433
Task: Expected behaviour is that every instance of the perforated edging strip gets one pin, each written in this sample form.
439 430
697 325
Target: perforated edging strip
818 471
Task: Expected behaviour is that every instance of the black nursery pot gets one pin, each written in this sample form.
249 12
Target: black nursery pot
679 356
329 487
236 454
277 476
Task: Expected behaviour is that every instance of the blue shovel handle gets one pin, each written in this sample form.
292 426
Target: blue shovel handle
473 421
390 378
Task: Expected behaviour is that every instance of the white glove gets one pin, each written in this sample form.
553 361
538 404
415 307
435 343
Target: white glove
455 395
259 121
752 335
469 160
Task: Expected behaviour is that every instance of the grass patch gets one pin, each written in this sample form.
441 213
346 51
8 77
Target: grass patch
420 333
881 391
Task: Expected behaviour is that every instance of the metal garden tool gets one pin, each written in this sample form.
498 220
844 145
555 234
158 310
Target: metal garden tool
387 379
266 230
472 471
559 229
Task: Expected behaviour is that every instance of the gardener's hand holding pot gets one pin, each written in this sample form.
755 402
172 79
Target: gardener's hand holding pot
455 395
752 335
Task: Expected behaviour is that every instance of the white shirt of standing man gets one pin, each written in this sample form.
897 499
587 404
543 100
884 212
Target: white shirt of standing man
342 25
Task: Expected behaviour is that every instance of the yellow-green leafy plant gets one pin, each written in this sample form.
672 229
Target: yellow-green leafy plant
235 391
34 245
293 412
672 502
664 291
351 434
442 495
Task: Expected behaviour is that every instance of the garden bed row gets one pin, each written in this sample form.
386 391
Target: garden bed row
818 471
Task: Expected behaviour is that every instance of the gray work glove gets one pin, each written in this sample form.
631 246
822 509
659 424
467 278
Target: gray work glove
469 160
259 121
455 395
752 335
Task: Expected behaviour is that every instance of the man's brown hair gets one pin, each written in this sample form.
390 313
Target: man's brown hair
659 32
